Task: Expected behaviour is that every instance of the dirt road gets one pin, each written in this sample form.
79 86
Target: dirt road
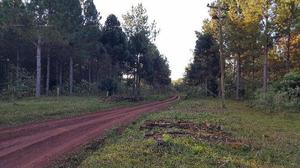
37 145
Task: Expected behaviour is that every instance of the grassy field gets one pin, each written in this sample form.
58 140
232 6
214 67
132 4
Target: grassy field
241 137
32 109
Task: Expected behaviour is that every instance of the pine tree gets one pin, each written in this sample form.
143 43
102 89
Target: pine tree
91 35
39 13
69 21
204 70
140 33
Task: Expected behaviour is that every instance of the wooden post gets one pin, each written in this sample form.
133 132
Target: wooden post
219 18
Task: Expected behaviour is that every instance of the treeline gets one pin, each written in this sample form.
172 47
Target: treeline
261 45
59 47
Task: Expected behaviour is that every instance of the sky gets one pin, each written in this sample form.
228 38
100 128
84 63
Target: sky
177 20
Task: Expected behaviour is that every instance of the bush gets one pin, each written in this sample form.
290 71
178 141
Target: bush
197 92
24 86
290 84
284 94
85 88
110 85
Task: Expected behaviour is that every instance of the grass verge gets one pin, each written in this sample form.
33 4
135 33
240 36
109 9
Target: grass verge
269 140
32 109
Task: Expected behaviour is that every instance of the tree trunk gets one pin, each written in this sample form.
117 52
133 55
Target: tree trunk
48 73
97 74
90 74
206 86
38 67
57 77
238 76
56 73
253 73
266 55
288 45
18 65
293 16
138 80
266 73
60 80
134 83
139 86
71 77
81 75
266 66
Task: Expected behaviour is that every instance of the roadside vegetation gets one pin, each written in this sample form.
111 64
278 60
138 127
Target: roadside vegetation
194 133
32 109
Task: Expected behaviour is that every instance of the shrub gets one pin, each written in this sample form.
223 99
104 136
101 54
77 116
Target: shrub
284 94
110 85
24 86
290 84
85 88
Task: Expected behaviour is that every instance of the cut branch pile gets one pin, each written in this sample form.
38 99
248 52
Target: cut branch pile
200 132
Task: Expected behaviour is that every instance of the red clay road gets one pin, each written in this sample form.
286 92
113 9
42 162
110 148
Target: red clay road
37 145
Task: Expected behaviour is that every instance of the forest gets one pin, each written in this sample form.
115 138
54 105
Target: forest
55 47
79 90
249 50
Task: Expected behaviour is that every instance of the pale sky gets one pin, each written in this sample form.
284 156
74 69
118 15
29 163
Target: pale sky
177 20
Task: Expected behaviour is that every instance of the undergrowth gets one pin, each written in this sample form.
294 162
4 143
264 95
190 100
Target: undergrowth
272 140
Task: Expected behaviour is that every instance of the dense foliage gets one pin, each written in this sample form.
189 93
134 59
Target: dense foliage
261 45
204 70
59 47
283 95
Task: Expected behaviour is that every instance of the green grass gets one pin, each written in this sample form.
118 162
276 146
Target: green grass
31 109
273 140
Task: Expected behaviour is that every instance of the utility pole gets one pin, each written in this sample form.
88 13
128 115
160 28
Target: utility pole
219 17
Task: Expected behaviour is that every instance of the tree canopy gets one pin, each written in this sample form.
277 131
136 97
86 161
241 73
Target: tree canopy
261 44
60 47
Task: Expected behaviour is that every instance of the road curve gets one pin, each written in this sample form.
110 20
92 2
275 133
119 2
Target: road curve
37 145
